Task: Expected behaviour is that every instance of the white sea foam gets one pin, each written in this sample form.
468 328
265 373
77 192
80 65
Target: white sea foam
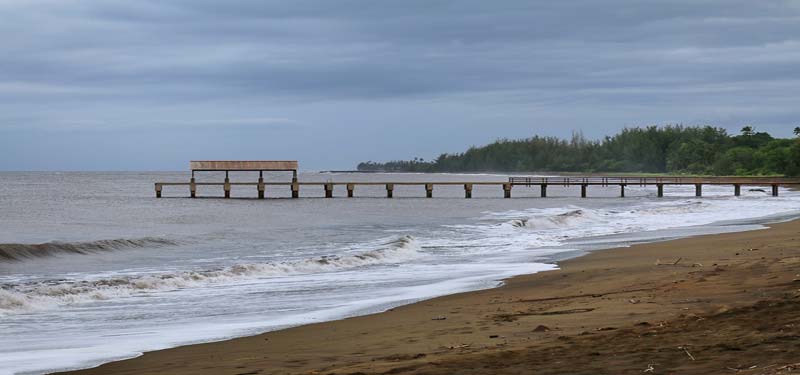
561 220
537 228
49 294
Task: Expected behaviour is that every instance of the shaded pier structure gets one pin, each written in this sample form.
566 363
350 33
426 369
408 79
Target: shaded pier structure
228 166
583 183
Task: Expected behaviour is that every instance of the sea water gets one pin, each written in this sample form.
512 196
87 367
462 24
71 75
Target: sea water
93 268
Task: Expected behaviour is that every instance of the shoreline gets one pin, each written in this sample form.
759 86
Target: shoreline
613 293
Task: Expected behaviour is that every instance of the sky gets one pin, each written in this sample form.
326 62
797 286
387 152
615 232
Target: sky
152 84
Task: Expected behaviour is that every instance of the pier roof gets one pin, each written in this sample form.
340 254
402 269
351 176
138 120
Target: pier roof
243 165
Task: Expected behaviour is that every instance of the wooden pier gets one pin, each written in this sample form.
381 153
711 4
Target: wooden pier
541 182
658 182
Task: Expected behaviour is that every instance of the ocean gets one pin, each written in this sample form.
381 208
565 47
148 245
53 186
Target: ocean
93 268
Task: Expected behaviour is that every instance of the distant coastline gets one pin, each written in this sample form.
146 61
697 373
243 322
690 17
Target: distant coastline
676 150
351 171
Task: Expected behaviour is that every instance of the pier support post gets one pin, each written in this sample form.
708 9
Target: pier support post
295 185
158 190
583 190
389 190
429 190
622 190
737 190
227 186
328 190
350 188
506 190
544 191
261 188
774 190
660 190
467 191
698 190
192 188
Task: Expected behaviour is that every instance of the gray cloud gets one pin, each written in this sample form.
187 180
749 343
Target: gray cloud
391 70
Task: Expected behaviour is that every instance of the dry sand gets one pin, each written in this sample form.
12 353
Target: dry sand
720 304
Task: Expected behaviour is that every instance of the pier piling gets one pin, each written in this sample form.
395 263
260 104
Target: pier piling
192 188
506 190
350 188
261 187
328 190
660 190
583 190
389 190
227 186
737 190
467 191
698 190
622 190
774 190
295 184
544 191
429 190
158 190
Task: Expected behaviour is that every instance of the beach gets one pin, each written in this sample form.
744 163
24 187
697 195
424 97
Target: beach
710 304
417 187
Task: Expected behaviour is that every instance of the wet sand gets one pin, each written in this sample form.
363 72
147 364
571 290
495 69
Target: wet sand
719 304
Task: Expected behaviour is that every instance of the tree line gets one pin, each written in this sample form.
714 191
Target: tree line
674 149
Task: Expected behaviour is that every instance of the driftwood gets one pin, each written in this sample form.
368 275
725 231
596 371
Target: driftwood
687 352
675 263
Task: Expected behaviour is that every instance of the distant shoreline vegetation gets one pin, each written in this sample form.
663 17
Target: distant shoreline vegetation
674 149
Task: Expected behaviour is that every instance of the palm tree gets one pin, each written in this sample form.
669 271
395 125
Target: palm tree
797 131
747 130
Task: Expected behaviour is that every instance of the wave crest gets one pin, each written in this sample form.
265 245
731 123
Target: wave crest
562 220
15 252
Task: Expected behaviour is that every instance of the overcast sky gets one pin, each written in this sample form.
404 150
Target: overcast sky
149 85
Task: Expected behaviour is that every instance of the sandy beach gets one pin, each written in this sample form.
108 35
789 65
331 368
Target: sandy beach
717 304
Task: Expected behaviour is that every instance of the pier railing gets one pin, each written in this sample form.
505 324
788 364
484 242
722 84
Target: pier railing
645 181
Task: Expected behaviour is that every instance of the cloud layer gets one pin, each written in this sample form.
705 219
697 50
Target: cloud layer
333 83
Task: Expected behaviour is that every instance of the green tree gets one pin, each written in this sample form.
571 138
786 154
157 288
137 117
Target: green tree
793 164
656 149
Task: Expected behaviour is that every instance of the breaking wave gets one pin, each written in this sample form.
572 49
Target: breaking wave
15 252
576 216
562 220
48 294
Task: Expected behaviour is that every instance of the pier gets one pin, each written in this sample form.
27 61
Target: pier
506 187
659 182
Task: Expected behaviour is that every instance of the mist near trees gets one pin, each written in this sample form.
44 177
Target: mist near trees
674 149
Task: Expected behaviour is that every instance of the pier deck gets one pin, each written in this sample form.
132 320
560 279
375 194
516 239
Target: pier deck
542 182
